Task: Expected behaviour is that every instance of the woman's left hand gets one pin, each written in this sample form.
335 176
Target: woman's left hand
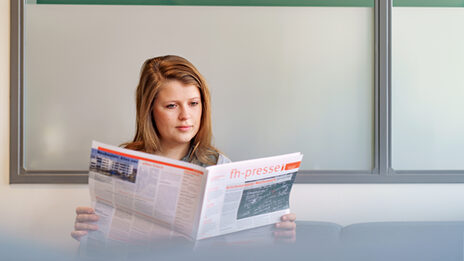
286 229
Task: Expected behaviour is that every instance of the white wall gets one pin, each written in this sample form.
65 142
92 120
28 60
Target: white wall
46 212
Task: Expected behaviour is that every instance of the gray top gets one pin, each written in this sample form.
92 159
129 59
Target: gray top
222 159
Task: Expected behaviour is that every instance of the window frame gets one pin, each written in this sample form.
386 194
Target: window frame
382 171
18 174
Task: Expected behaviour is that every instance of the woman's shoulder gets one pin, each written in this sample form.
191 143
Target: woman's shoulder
222 159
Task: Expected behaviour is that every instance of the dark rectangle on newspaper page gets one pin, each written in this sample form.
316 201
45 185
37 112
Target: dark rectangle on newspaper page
113 165
265 199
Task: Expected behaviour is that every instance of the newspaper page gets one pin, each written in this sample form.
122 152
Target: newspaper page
141 196
247 194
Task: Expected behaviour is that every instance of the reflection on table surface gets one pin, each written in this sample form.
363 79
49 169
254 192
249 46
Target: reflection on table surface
314 241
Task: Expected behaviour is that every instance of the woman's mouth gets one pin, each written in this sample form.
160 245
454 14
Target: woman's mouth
184 127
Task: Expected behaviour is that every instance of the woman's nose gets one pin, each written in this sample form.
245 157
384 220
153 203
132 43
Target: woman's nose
184 113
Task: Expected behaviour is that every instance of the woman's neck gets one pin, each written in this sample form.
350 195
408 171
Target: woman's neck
176 152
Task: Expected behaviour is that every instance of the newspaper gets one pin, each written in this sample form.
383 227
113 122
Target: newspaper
143 196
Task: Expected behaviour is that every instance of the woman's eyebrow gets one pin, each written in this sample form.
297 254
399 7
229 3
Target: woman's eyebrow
177 100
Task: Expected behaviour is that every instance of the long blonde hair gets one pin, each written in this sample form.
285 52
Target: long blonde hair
155 72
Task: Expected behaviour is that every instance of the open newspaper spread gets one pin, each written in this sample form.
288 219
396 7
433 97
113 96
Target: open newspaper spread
141 196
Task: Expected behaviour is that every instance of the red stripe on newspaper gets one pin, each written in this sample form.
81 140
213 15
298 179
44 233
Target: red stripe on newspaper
293 165
251 183
102 199
265 181
150 160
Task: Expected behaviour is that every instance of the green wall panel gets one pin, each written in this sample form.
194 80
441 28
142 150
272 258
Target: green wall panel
429 3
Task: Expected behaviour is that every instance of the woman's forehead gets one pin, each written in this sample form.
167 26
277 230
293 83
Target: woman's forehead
176 90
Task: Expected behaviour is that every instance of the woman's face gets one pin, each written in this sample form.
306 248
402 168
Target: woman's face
177 112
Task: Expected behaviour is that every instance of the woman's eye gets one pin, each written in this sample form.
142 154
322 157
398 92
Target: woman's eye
194 103
170 106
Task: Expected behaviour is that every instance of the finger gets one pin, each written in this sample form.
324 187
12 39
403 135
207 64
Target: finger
78 234
85 226
86 218
85 210
285 234
287 225
288 217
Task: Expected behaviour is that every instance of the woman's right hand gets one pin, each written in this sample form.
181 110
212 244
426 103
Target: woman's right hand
85 217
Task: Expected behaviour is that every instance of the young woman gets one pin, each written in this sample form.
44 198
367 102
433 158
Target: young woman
174 121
